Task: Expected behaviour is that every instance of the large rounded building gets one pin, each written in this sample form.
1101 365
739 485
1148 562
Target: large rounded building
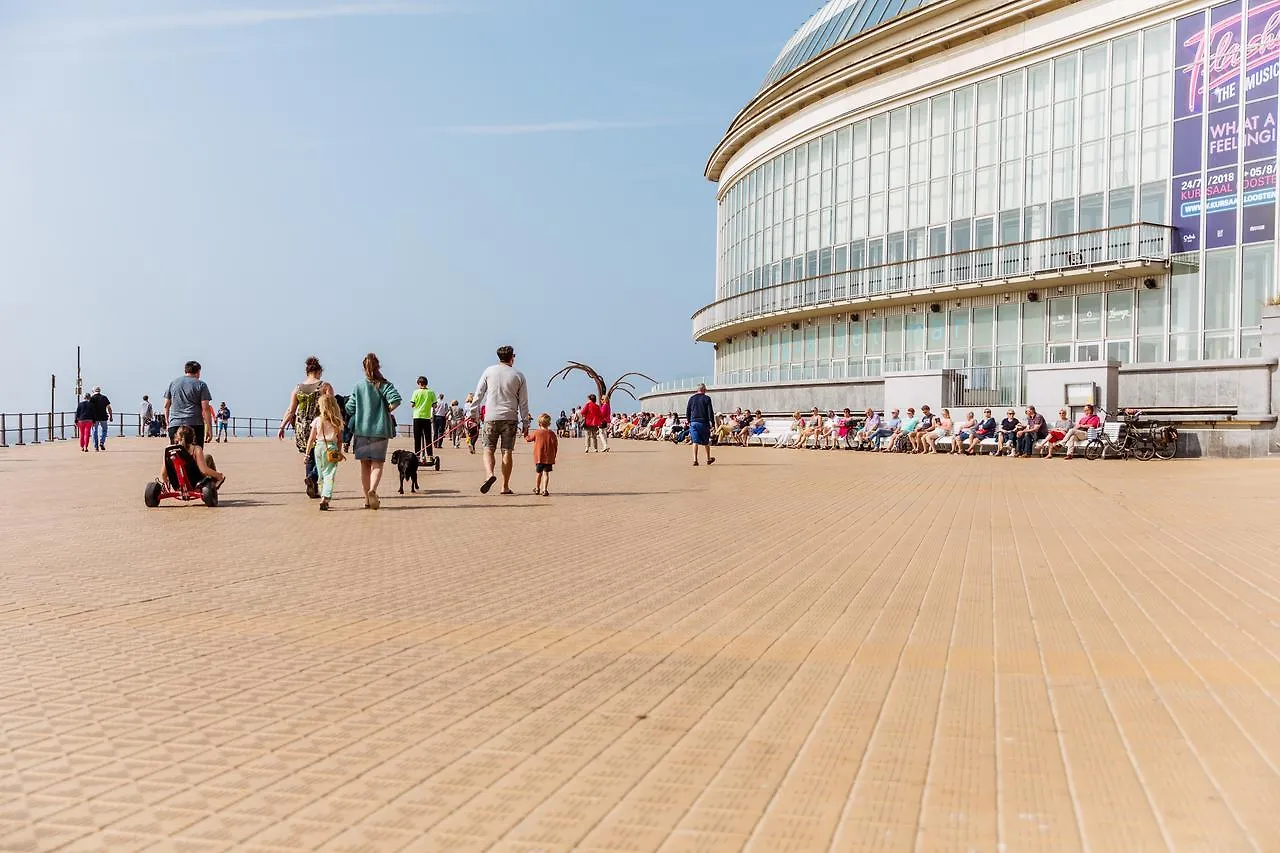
982 202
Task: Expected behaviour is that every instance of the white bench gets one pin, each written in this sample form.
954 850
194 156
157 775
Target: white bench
774 429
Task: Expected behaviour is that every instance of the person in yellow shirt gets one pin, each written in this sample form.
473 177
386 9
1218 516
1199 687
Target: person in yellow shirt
423 401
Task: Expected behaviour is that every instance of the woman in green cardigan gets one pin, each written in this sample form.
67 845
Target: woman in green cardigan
369 411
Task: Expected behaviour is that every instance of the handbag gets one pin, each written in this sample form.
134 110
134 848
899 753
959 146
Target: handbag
334 454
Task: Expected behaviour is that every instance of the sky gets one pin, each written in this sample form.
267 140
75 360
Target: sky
250 182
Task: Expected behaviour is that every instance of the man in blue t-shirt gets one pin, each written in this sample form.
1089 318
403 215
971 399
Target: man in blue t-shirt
701 415
188 402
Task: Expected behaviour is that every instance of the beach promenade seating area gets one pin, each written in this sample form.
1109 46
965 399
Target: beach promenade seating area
827 652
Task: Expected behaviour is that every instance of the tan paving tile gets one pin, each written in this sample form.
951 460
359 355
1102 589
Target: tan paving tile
798 651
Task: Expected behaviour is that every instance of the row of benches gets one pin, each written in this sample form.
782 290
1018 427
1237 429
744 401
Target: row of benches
777 429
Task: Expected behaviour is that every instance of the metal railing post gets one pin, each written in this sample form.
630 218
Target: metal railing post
250 427
20 440
4 431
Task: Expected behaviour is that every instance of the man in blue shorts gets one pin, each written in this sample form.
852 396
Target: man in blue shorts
701 416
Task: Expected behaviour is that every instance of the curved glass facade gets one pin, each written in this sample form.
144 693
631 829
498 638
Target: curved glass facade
1076 144
836 22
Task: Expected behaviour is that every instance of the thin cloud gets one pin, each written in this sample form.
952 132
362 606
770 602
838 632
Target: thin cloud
585 125
212 19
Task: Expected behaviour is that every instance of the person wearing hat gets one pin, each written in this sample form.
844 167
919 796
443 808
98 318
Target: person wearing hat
102 414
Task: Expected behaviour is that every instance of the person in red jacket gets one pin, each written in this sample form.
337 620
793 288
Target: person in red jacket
606 422
591 423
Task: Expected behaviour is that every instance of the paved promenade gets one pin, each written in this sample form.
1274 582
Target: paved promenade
787 651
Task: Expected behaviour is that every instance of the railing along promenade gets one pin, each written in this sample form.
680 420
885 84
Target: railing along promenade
1071 255
22 428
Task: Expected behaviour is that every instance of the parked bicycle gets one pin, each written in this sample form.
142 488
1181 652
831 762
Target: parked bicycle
1131 437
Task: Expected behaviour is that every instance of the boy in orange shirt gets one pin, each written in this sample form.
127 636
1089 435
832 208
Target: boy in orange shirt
545 445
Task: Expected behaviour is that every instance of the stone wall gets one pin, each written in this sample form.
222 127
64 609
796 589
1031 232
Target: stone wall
1242 383
835 394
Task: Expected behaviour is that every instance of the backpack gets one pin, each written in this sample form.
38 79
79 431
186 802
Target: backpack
307 411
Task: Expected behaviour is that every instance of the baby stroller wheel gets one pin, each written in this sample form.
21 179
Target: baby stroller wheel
151 494
437 463
209 494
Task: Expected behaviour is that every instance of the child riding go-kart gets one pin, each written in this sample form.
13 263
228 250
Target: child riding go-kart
189 474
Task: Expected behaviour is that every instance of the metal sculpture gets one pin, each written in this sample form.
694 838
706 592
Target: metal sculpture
603 389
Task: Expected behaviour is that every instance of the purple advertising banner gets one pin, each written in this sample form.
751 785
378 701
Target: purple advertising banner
1220 200
1224 137
1259 185
1188 145
1260 129
1188 33
1225 50
1262 50
1187 194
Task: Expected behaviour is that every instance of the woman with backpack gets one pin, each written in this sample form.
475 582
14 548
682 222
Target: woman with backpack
369 411
304 407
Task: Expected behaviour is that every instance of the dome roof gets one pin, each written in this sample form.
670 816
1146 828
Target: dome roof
836 22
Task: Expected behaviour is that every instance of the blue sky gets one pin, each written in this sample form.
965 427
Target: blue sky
249 182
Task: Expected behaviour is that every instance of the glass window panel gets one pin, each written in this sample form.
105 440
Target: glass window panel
1259 280
983 322
875 336
920 121
1219 346
1039 130
962 194
898 167
1157 95
858 180
1012 90
876 214
1037 179
1093 117
1089 317
897 210
1033 315
1124 59
936 333
941 113
1038 77
1124 107
828 150
1155 153
1152 206
918 165
842 183
963 102
985 193
1011 137
815 157
987 100
915 332
1064 77
1120 205
1064 173
802 160
1011 185
1120 314
1060 313
938 198
1151 349
988 144
918 205
958 326
1007 324
1124 159
938 155
879 171
893 334
1220 289
1062 218
1184 348
1155 49
898 128
844 145
1064 124
1184 297
1094 68
1093 157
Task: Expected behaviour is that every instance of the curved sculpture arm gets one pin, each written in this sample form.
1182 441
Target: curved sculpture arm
587 369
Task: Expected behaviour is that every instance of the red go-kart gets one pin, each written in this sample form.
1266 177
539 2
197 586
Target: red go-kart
185 481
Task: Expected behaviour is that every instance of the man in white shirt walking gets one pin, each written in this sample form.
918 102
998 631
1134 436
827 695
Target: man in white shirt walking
504 394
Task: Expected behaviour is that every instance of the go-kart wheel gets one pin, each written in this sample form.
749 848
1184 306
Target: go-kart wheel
1093 450
437 463
151 494
209 494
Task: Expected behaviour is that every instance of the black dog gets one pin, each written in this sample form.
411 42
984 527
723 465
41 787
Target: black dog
406 462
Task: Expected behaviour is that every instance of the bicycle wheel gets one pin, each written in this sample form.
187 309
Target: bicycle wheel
1144 449
1093 449
1166 449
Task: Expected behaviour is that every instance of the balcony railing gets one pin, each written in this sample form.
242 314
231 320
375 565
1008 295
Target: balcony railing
1140 242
